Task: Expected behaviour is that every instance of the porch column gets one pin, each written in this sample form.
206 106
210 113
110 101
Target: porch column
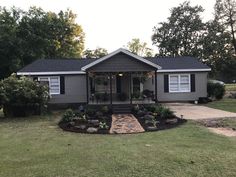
110 76
130 87
87 88
155 86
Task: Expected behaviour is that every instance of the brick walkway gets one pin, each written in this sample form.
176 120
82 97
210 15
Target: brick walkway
125 123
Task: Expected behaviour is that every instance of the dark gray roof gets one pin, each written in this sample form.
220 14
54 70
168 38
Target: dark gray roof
167 63
178 63
50 65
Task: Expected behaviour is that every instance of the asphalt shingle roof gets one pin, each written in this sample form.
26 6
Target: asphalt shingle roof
167 63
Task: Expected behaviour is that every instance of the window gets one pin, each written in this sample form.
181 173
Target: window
53 84
179 83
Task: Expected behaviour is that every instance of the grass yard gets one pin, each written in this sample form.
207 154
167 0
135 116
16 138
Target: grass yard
226 104
230 87
37 147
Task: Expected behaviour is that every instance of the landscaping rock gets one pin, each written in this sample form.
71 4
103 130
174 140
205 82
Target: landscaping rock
82 127
148 122
172 121
149 117
95 121
140 113
92 130
71 124
151 128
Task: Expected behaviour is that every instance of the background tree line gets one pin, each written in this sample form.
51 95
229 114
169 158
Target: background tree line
185 34
29 35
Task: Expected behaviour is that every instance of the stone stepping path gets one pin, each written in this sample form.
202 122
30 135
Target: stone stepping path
125 123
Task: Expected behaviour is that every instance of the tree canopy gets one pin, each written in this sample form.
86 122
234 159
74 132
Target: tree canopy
185 34
29 35
139 48
97 53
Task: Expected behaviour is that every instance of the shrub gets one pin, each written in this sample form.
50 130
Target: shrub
215 90
151 108
68 116
166 113
22 96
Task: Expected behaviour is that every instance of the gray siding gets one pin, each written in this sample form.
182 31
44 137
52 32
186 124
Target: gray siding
121 63
75 90
201 89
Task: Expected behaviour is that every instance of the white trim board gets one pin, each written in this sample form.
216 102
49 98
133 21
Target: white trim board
116 52
181 70
50 73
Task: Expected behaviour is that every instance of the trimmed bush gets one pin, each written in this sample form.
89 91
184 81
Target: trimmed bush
215 90
68 116
22 96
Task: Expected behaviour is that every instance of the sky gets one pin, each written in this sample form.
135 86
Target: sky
111 24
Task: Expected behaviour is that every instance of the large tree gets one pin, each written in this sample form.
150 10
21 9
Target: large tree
29 35
225 12
181 34
139 48
218 49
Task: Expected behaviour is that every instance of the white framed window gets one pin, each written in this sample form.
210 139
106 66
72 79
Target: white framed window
179 83
53 84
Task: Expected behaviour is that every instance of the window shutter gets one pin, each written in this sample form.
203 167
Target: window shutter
62 85
193 83
166 83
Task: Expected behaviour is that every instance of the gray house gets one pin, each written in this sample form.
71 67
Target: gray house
121 77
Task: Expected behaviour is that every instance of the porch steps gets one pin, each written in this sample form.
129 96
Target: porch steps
121 108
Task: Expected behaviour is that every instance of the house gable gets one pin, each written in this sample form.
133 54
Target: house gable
121 60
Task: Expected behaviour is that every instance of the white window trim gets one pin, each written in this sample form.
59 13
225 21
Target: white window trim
179 76
49 80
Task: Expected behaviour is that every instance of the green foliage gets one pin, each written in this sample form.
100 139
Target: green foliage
215 90
29 35
103 125
166 113
22 94
68 116
182 33
97 53
139 48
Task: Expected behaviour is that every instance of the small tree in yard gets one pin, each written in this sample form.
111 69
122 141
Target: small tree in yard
22 96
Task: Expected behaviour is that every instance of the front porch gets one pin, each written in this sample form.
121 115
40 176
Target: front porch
121 78
114 88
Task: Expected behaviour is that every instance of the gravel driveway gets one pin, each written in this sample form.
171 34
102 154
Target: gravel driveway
196 112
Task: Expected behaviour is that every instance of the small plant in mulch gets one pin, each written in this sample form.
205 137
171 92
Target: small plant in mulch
88 121
156 117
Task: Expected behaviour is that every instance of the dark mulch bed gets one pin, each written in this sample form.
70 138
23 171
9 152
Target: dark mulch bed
162 124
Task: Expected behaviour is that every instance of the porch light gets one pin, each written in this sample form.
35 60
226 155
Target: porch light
120 74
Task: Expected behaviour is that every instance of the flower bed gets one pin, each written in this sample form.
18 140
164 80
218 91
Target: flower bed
156 117
98 120
87 121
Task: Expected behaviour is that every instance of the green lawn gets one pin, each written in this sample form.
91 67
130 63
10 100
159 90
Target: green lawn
37 147
226 104
230 87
